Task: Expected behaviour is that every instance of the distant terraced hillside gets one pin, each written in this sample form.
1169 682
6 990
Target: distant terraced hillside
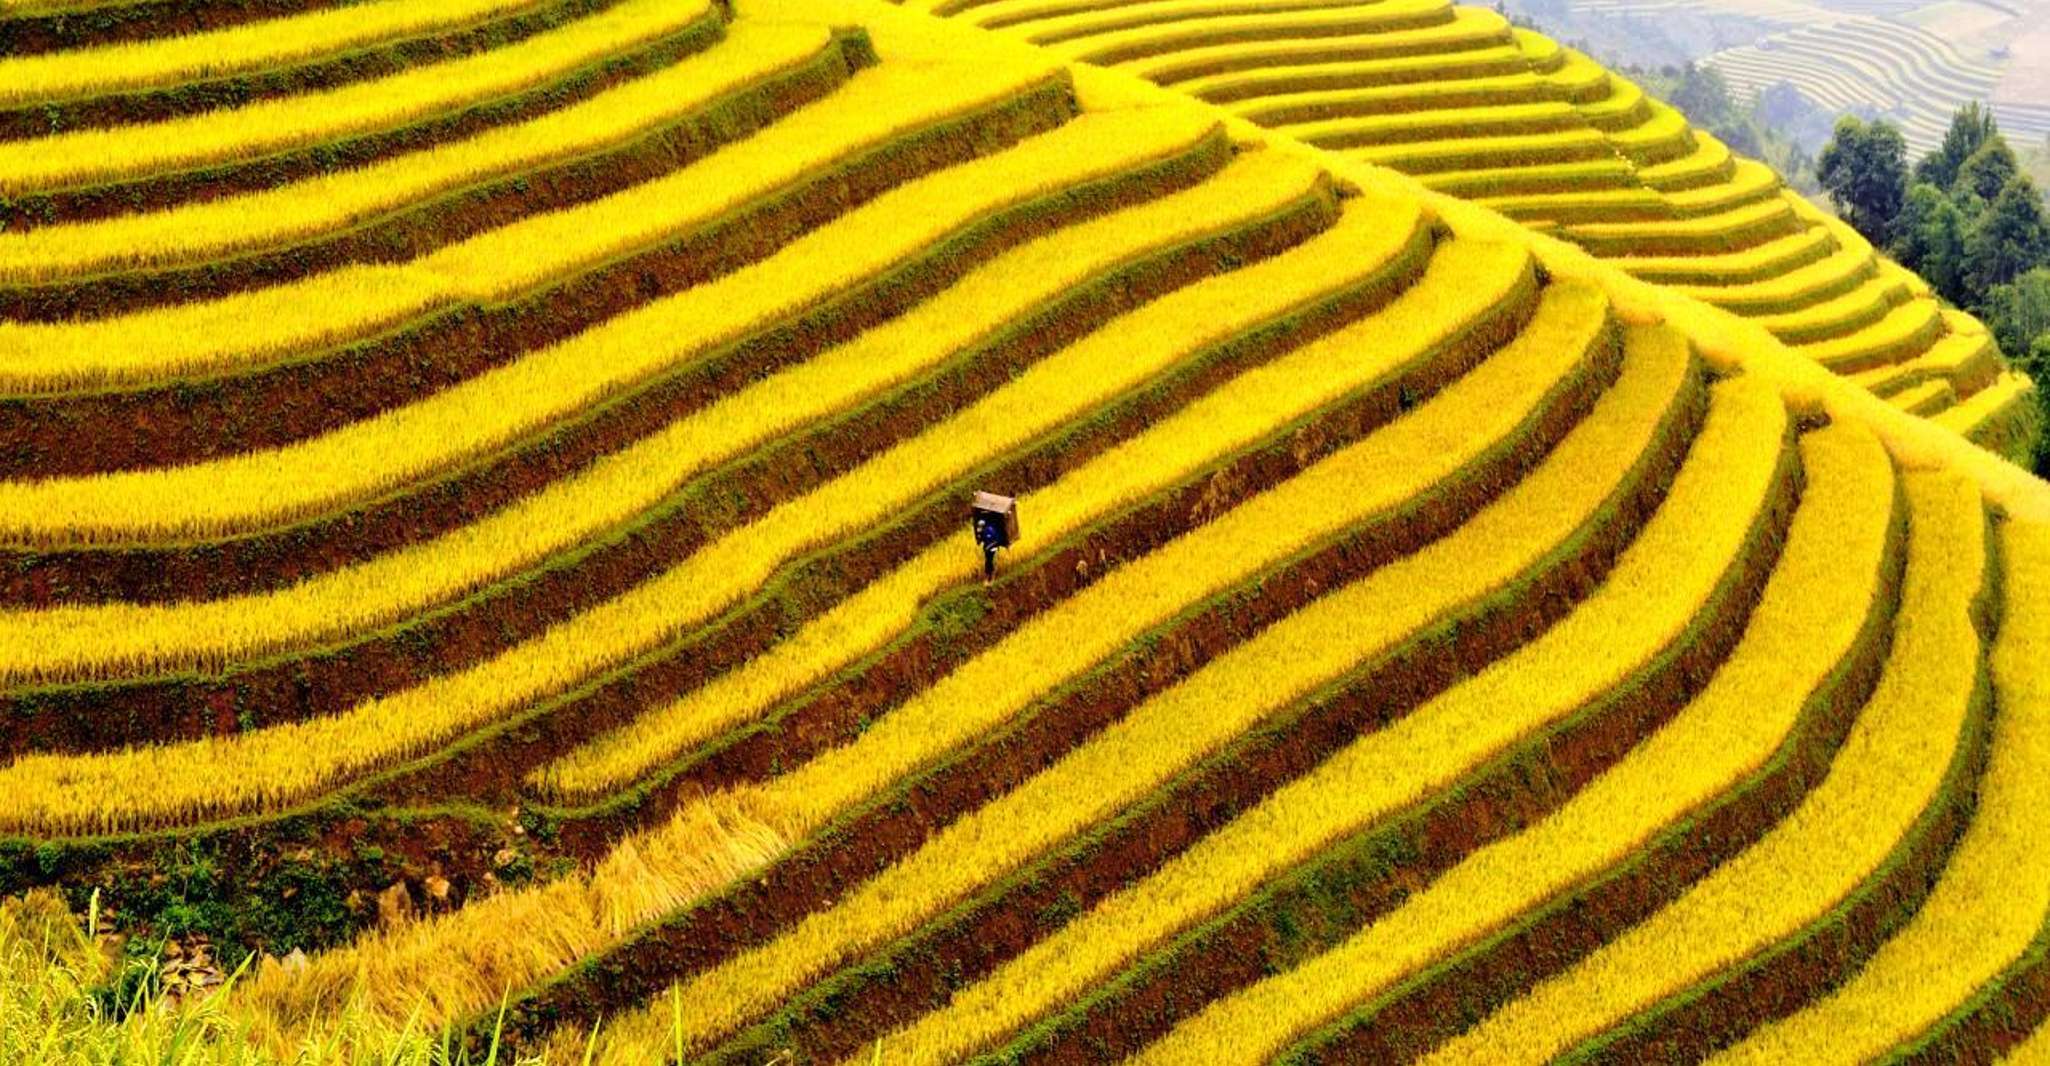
488 507
1913 62
1507 118
1882 66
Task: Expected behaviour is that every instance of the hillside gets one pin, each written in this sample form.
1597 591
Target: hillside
487 511
1468 105
1912 62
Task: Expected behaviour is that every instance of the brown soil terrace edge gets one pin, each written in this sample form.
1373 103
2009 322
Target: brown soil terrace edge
1821 956
1640 243
328 678
1329 898
1818 331
159 423
493 764
956 625
409 231
93 25
333 680
894 823
1732 275
1433 1006
491 759
371 61
1282 114
2004 1011
1135 21
841 1012
422 510
190 420
255 173
1329 50
336 824
1297 72
457 844
1170 42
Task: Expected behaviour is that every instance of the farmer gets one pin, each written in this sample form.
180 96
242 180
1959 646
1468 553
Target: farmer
989 536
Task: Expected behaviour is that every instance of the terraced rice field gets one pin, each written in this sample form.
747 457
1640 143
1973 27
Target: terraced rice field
1909 73
494 499
1468 105
1913 62
1780 12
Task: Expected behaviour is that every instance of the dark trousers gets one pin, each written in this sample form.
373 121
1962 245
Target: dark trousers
989 563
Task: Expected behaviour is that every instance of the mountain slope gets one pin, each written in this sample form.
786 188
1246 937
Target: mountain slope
525 565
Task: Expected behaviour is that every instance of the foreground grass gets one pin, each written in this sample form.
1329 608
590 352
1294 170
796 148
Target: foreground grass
59 1006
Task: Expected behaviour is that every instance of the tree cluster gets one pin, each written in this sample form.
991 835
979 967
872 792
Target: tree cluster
1966 217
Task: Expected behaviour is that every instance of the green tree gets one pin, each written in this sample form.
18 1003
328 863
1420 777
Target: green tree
1971 126
1864 168
2018 313
2010 237
1988 170
1704 96
1929 239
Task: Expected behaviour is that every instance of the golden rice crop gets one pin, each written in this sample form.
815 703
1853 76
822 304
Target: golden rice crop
1666 134
1544 509
1710 161
1567 67
1496 57
874 108
357 301
1375 19
1457 152
2007 420
164 61
1444 427
615 489
1468 27
1461 282
1566 206
1157 741
2035 1051
252 491
1314 104
91 156
1756 263
1493 181
1845 267
1994 895
1927 398
442 970
1044 22
1435 124
1811 612
1905 330
1564 145
1626 236
1888 771
1957 357
1838 315
501 265
1401 460
267 768
2010 390
1748 181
